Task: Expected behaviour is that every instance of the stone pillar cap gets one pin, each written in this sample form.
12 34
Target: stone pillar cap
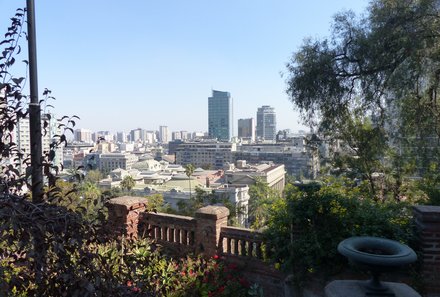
128 200
212 212
427 213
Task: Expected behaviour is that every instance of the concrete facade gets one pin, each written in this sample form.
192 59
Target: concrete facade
205 154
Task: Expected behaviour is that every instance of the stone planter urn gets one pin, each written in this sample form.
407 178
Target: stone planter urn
377 255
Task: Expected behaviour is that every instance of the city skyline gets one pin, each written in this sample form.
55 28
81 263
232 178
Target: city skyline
147 64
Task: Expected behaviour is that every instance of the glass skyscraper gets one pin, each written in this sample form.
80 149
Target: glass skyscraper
220 115
266 123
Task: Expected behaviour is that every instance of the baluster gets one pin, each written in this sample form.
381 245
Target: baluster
243 247
228 243
191 237
236 246
164 233
156 232
220 244
178 236
185 239
258 250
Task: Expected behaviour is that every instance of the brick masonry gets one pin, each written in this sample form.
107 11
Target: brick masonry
427 221
123 215
127 217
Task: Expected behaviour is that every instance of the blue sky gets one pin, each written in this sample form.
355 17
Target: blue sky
121 65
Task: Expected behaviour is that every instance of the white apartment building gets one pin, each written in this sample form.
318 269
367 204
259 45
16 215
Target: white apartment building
83 135
23 138
300 160
112 161
164 134
214 155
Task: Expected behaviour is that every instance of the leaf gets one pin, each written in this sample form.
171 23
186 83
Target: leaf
19 50
63 139
64 117
18 81
26 62
6 41
51 155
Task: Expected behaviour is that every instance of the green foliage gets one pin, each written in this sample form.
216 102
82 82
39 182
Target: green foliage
155 203
93 176
261 199
128 183
430 185
124 268
203 198
306 227
381 66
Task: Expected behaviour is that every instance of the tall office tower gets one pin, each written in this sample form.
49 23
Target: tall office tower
246 128
184 135
135 135
150 137
121 137
220 115
176 135
102 135
83 135
164 134
266 123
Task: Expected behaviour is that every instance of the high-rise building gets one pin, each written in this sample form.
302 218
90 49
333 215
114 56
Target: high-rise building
164 134
23 139
83 135
266 123
121 137
246 129
102 135
220 115
184 135
176 135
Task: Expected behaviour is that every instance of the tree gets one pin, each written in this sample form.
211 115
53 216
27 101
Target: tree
189 170
93 176
383 66
366 145
261 197
128 183
75 174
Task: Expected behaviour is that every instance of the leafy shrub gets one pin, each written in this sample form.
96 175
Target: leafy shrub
123 268
306 227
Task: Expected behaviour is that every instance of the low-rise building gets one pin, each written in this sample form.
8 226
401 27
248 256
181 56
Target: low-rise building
243 173
111 161
300 159
213 155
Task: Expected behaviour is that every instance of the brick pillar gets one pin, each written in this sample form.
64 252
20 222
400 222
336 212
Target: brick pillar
210 219
427 220
123 215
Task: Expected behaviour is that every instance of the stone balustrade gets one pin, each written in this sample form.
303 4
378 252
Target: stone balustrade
241 242
208 234
175 232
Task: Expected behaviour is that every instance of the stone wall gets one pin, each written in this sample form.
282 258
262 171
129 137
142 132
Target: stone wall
208 234
427 221
123 215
